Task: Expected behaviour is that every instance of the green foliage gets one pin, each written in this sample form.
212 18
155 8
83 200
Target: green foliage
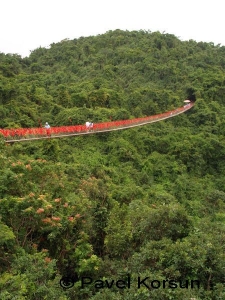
145 201
32 277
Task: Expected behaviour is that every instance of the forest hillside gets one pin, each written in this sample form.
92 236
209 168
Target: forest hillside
132 214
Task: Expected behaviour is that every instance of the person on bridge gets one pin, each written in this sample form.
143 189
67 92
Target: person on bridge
89 125
47 126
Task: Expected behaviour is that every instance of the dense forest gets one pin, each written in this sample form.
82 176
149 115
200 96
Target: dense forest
132 214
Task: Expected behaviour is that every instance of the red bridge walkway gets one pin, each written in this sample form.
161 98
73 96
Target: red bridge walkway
28 134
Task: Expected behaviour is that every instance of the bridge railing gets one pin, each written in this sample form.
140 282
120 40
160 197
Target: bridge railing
29 133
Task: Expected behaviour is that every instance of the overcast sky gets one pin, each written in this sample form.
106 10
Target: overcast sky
28 24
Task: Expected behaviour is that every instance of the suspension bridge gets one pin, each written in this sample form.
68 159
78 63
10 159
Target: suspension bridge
39 133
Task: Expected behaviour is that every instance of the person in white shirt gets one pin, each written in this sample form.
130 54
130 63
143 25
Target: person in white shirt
47 126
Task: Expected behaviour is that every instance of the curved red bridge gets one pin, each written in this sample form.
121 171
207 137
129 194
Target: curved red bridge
27 134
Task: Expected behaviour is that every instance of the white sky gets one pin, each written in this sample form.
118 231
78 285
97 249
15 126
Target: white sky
28 24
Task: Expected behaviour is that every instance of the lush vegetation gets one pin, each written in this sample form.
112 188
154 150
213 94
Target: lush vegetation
147 201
